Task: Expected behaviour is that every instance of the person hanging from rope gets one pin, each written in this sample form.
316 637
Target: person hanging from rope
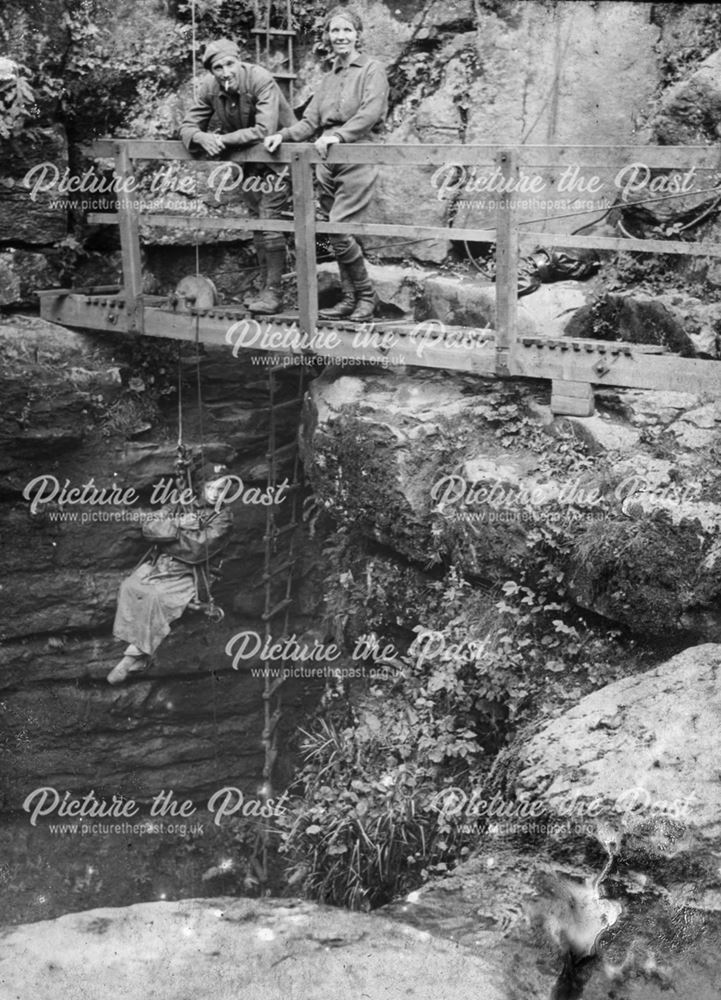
187 539
247 105
349 106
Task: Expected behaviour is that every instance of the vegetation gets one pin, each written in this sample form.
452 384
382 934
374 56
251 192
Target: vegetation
447 671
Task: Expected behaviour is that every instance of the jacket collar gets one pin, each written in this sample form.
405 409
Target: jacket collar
359 59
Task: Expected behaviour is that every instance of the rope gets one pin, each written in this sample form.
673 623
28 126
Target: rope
180 406
574 232
192 21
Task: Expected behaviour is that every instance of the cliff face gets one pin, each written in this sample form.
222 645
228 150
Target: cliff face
448 467
71 418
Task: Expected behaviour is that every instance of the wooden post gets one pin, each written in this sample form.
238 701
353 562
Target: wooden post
129 239
572 398
506 263
304 226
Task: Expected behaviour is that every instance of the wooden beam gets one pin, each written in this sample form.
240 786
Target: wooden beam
506 265
422 346
305 258
703 158
639 370
193 223
574 398
129 240
701 249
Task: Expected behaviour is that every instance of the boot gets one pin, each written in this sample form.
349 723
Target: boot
270 299
366 298
347 304
259 244
129 664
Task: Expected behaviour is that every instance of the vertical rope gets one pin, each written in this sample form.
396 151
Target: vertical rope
195 98
195 78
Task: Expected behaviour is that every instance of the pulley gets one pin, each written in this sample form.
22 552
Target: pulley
194 292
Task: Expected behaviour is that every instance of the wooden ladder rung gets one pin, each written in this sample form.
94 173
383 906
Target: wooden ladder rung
286 449
295 401
273 31
288 564
278 682
278 532
280 606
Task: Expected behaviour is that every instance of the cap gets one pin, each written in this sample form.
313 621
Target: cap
210 472
222 47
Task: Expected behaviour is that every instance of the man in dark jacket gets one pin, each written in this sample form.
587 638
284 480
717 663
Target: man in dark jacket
246 105
161 588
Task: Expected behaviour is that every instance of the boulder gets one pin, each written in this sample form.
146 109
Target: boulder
639 930
635 317
638 755
227 947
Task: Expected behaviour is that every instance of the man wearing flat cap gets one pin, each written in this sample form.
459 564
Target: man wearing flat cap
246 105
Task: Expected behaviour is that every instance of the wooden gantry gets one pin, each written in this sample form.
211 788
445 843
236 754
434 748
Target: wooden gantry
573 365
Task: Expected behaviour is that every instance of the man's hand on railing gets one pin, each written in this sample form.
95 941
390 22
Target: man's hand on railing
324 142
210 142
271 142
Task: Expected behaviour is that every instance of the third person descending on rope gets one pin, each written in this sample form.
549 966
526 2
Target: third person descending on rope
349 106
245 104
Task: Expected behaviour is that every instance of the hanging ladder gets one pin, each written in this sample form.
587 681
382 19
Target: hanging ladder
274 42
279 550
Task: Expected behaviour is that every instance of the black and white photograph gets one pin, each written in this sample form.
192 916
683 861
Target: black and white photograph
360 500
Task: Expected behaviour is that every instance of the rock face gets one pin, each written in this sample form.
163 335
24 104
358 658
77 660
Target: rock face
689 111
640 755
227 947
34 212
77 410
576 75
637 934
446 467
598 863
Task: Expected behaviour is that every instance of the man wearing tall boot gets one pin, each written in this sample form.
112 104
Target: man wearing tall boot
247 106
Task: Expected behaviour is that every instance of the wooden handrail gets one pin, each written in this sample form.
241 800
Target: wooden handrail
703 158
508 162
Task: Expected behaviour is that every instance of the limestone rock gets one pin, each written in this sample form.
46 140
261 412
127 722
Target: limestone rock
643 750
35 213
700 321
635 317
463 302
429 463
586 71
396 199
649 934
551 307
690 110
227 947
23 273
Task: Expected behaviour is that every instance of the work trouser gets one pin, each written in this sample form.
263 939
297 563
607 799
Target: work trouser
346 191
270 200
